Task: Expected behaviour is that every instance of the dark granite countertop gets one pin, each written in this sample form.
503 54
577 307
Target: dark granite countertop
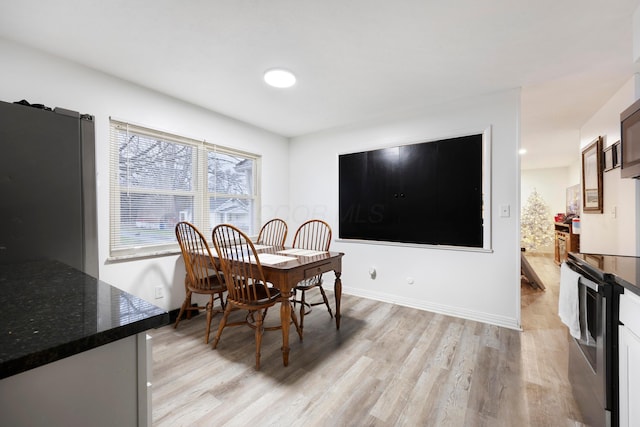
623 270
51 311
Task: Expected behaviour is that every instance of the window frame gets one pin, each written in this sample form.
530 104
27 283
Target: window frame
200 191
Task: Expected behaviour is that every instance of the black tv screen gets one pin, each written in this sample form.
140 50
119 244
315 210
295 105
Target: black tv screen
425 193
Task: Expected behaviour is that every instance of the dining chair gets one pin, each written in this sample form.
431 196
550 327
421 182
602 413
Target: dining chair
273 233
314 234
247 288
198 262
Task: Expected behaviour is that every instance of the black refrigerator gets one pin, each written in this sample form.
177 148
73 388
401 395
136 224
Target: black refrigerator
47 186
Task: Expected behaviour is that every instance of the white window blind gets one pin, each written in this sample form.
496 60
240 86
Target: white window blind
158 179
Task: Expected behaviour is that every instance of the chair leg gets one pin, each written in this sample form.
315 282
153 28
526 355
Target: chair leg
326 301
302 304
223 303
223 322
295 322
259 326
183 308
209 317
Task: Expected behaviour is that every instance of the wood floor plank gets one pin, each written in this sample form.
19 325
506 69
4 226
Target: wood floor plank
388 365
455 400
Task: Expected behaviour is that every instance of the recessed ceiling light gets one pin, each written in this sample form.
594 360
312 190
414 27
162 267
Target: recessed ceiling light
280 78
522 151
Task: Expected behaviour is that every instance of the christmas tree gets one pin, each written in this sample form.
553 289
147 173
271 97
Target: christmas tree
536 225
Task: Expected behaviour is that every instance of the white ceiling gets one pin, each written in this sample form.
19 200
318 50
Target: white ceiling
356 60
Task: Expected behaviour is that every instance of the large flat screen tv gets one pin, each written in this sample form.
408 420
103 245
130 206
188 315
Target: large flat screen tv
630 141
426 193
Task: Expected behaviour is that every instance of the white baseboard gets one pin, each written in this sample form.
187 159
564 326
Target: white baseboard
490 319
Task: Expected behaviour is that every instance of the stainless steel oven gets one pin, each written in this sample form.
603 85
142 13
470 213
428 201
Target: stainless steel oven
593 365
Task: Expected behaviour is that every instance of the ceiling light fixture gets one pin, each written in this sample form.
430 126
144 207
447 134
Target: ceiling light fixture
279 78
522 151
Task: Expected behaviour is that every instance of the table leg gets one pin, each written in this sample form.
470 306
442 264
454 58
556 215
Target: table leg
337 290
285 317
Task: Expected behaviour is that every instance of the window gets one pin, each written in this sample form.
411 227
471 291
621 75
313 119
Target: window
159 179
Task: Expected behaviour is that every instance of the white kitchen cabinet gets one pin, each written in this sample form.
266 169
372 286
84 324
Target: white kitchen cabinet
107 386
629 354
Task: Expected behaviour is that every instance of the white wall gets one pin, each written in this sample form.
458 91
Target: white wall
551 184
474 285
41 78
615 230
575 168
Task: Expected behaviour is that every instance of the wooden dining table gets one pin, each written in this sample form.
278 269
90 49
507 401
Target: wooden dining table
295 265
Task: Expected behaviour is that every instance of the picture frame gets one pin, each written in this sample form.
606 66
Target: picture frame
611 156
592 177
573 200
617 155
607 158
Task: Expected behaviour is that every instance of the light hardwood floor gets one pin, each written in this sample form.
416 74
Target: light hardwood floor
387 366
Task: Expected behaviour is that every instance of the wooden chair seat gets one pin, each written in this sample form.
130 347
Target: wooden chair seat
310 283
261 297
210 284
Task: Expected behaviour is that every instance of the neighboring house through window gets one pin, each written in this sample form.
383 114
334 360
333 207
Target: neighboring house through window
159 179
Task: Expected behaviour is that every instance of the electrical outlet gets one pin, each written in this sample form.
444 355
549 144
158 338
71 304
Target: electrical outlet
159 292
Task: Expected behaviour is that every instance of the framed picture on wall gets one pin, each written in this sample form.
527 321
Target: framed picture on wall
592 177
607 155
611 156
573 200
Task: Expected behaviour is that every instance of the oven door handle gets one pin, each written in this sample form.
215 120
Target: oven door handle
583 280
589 283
